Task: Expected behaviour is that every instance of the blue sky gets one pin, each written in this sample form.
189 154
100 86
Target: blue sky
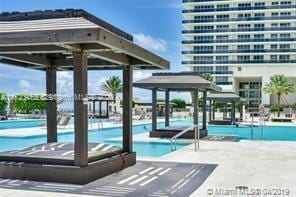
155 24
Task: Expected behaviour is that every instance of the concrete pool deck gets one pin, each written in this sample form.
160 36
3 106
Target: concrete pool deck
259 165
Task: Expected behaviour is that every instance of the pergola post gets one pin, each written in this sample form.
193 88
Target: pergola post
210 110
127 108
195 107
214 103
51 112
94 107
204 111
154 109
233 112
241 111
107 109
80 108
167 108
100 111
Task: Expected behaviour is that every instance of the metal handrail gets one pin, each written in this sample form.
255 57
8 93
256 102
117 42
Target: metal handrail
40 121
196 137
93 119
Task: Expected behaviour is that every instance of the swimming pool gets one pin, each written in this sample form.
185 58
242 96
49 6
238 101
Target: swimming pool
16 124
153 149
274 133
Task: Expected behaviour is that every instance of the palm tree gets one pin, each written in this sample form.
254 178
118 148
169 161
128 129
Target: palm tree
279 86
113 86
207 76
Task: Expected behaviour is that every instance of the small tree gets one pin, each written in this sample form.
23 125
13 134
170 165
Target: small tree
279 86
180 103
207 76
3 102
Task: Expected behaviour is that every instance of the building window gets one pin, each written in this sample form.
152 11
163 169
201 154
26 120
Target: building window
285 24
221 79
259 36
243 36
259 25
222 16
286 3
222 48
244 15
223 6
274 46
258 57
222 37
284 57
285 35
243 57
203 69
258 47
274 36
260 4
222 68
274 3
259 14
284 46
243 47
244 5
222 26
273 57
274 14
222 58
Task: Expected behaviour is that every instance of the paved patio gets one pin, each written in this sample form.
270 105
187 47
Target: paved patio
255 165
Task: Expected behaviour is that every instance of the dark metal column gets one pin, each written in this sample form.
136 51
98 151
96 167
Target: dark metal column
107 109
204 111
154 110
51 112
210 110
214 103
241 111
100 105
94 107
195 107
127 109
80 108
167 108
233 112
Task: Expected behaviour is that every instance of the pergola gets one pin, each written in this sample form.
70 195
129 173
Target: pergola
71 40
179 82
224 97
93 99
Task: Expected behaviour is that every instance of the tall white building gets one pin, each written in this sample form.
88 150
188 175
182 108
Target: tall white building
242 43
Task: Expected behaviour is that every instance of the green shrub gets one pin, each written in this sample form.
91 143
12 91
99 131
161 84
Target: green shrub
3 102
275 108
27 103
180 103
294 106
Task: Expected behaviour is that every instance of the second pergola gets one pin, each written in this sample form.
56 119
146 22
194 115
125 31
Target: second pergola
177 82
224 98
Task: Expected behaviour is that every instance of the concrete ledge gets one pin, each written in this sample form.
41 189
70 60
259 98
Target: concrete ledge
66 174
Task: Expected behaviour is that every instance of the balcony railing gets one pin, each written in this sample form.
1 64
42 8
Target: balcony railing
238 51
192 1
239 30
238 19
239 40
239 62
238 8
224 72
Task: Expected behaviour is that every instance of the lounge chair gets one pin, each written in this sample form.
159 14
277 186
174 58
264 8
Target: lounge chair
65 122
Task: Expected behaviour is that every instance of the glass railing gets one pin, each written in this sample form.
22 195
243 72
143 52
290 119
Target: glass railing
239 62
239 30
192 1
240 51
239 8
239 40
225 72
223 83
238 19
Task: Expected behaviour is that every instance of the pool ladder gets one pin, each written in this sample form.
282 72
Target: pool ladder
261 124
196 137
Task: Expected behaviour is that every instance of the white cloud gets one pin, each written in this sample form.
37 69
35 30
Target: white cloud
148 42
65 83
25 86
138 75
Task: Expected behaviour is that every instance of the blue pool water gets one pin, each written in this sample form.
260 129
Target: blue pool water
16 124
154 149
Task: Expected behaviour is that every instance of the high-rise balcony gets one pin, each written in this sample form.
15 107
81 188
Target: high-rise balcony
238 51
239 30
239 62
202 41
237 19
200 10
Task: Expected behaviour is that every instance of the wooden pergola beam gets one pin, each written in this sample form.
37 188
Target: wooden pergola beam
31 49
112 57
26 58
